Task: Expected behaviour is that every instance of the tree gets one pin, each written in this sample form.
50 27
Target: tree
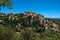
7 3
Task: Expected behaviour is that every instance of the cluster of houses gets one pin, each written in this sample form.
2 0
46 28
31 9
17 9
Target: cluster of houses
33 15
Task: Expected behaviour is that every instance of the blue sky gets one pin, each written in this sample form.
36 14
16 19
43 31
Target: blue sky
48 8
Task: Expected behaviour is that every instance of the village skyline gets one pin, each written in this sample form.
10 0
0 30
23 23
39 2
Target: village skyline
48 8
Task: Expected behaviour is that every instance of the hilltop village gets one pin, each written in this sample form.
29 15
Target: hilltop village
27 26
25 20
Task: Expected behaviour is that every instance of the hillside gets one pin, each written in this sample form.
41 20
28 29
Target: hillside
28 26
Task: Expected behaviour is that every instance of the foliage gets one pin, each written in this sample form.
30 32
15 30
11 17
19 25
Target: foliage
6 33
5 3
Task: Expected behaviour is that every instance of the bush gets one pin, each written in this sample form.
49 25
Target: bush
6 34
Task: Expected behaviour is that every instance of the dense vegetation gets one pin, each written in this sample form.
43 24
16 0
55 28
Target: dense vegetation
26 27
